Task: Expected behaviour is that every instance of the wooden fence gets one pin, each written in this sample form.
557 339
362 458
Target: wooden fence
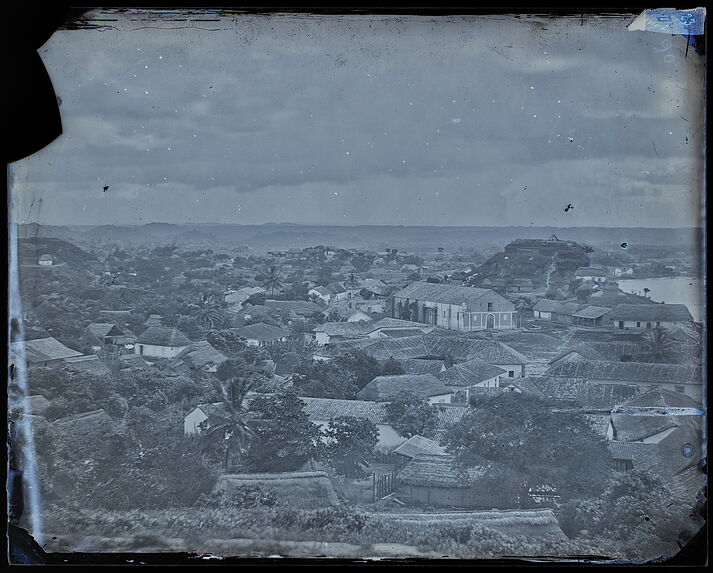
383 485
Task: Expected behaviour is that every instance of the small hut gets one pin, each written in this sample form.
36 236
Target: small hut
298 490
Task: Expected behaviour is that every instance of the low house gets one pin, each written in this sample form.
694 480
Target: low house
395 326
555 310
520 285
154 320
41 352
417 445
591 274
330 332
101 334
96 420
202 356
434 480
296 490
262 334
237 298
646 316
590 316
608 351
90 363
373 288
387 388
678 436
45 260
681 378
294 309
454 307
463 377
161 342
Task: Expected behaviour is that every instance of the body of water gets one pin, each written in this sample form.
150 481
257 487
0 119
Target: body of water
671 290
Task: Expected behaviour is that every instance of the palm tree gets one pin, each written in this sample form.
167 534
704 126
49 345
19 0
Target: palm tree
352 282
658 346
233 431
206 310
272 281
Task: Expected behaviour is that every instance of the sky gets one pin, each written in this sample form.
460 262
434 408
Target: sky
369 120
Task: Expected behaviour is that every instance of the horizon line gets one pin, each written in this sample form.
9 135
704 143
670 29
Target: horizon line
288 223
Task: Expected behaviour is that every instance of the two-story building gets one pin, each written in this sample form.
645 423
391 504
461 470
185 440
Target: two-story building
454 307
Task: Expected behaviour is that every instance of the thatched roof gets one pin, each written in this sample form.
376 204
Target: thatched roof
298 490
42 350
447 294
470 373
163 336
438 470
651 313
416 445
386 388
627 371
533 524
102 329
90 363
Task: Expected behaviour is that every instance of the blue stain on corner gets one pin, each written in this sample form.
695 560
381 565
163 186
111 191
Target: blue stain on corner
671 21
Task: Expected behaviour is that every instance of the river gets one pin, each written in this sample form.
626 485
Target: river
672 290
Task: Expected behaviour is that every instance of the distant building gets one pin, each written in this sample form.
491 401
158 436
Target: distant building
387 388
463 377
45 260
101 334
590 316
41 352
454 307
555 310
161 342
646 316
591 274
262 334
332 331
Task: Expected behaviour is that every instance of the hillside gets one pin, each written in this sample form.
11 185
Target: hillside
30 249
545 261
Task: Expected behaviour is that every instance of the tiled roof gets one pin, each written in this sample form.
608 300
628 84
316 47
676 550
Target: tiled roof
42 350
661 398
299 307
641 455
401 333
448 294
386 388
635 428
438 471
163 336
592 312
608 351
262 331
324 409
419 445
397 323
416 366
556 306
200 354
344 328
627 371
102 329
470 373
651 312
583 394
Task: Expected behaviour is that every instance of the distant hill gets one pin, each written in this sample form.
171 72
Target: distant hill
30 250
540 260
283 235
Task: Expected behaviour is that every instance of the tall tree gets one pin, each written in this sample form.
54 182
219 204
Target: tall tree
287 436
233 432
531 442
658 346
351 444
273 280
409 415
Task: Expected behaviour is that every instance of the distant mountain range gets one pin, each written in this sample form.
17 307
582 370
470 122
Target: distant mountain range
285 235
